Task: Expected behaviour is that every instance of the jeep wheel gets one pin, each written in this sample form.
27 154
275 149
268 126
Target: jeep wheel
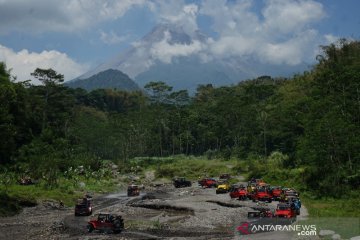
117 227
90 228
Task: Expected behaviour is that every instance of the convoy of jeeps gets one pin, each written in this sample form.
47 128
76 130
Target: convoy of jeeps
256 190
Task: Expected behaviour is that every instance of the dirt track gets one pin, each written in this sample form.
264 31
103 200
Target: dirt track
160 213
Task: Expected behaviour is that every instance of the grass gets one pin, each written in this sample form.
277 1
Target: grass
330 207
339 215
68 191
189 166
346 227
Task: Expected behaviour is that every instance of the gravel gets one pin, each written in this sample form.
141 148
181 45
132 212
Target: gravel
162 212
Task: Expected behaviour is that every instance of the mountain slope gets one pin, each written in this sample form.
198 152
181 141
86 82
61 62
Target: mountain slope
110 78
181 59
185 73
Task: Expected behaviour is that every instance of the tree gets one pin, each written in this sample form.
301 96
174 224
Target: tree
159 91
50 79
7 128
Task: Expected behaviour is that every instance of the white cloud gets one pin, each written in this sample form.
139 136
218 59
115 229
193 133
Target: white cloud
60 16
331 38
164 51
284 16
291 52
282 35
177 12
24 62
111 38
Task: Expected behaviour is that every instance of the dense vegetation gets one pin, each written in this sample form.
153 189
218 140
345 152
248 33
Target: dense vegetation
305 128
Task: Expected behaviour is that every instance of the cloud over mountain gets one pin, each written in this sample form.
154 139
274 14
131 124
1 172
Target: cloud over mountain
273 32
24 62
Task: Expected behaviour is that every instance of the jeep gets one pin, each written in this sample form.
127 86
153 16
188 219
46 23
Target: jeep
239 192
261 194
223 187
225 176
275 192
106 223
133 190
181 182
208 182
284 210
83 207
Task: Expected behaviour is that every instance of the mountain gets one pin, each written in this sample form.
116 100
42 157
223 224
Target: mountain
185 73
170 54
110 78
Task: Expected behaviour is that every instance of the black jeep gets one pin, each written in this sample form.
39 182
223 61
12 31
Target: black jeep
181 182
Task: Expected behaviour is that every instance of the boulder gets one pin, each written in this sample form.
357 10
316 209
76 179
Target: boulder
336 237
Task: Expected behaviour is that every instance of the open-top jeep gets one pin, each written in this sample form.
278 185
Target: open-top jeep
83 207
208 182
133 190
291 192
275 192
223 187
261 194
284 210
239 192
106 223
295 203
181 182
260 182
225 176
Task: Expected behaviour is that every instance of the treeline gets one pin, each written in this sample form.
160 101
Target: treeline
312 118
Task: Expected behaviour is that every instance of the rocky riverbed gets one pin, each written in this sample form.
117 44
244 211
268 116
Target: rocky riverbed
162 212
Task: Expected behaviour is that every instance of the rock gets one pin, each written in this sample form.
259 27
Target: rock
355 238
324 233
59 225
336 237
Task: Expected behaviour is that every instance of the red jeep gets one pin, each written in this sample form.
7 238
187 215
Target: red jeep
276 193
225 176
208 182
239 192
106 223
261 194
284 210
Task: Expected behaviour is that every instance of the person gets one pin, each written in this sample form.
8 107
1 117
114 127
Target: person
249 189
101 218
282 197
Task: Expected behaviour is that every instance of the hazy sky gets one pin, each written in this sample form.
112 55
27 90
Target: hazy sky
72 36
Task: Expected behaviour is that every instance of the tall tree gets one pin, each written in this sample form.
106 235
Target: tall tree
50 79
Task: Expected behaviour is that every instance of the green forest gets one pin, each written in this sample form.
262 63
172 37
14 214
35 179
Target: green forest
305 128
